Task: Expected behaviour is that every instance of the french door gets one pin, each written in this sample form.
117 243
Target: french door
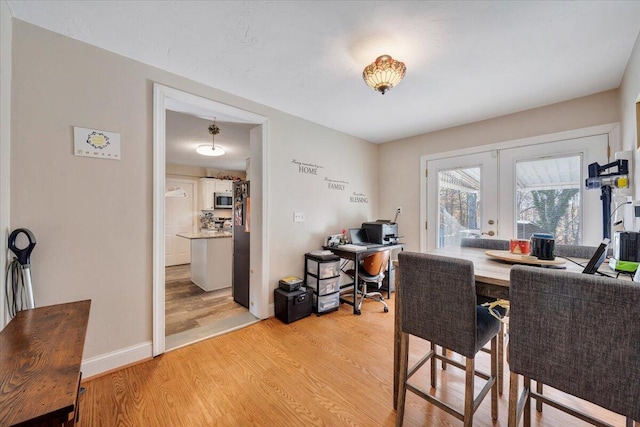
514 192
462 198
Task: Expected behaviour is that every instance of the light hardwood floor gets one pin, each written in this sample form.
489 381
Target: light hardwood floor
332 370
187 306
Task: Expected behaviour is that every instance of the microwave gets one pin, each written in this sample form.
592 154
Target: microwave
222 200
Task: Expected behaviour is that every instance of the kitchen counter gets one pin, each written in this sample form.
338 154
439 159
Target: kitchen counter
206 234
211 258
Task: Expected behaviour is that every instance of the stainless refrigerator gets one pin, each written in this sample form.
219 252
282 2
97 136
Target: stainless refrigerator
241 233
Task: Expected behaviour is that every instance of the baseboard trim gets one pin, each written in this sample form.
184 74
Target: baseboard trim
272 310
116 360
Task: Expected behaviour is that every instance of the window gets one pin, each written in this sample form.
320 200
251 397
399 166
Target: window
548 198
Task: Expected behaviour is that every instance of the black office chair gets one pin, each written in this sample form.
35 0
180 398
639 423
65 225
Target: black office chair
439 305
371 270
577 333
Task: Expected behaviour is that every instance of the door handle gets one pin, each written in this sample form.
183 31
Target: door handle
490 233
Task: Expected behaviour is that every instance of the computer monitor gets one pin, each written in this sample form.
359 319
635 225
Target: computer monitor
597 259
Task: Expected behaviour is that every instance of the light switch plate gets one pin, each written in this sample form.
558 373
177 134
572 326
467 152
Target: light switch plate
298 217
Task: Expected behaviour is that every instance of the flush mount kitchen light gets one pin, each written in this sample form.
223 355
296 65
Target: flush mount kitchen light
384 73
211 150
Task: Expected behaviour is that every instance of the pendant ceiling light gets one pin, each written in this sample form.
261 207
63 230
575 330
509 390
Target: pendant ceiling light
384 73
211 150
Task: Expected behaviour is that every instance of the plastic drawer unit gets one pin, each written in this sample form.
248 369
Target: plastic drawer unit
323 286
326 303
322 275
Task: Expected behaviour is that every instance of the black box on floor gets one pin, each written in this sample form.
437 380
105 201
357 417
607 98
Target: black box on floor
291 283
294 305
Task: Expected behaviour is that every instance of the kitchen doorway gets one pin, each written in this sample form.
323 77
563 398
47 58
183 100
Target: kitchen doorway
171 100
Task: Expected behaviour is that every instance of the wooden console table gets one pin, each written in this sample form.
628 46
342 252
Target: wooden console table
40 357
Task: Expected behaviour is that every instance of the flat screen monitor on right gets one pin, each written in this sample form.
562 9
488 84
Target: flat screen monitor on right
597 259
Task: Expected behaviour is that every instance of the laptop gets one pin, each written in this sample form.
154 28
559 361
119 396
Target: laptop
597 258
359 237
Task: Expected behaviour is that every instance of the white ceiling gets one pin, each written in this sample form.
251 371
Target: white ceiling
186 132
466 61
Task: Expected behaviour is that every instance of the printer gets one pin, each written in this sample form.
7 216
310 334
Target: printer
381 231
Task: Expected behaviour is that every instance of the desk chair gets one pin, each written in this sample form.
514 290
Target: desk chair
371 270
501 245
577 333
439 305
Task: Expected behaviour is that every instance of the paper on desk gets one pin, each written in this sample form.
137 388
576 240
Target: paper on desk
352 248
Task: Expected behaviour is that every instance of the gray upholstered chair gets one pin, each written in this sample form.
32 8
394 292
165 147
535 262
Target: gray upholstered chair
490 244
438 302
574 251
568 251
577 333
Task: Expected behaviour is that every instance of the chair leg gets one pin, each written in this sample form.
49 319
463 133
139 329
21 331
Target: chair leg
500 377
495 372
434 365
539 387
468 392
527 403
404 365
444 362
513 400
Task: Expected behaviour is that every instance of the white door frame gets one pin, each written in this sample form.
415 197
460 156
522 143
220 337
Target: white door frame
611 129
258 286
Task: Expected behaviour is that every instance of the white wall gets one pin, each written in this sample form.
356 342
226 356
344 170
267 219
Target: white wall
400 172
93 218
5 145
327 211
629 95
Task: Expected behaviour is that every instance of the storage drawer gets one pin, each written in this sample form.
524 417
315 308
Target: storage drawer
323 269
323 286
326 303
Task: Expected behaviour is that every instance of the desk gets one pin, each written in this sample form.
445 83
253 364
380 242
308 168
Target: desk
40 357
492 280
356 257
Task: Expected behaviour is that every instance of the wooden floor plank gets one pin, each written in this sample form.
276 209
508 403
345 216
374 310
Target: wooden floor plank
187 306
329 370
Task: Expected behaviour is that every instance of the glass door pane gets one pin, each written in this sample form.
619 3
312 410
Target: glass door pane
548 194
458 198
462 190
542 190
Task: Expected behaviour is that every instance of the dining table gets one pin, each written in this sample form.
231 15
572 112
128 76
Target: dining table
492 280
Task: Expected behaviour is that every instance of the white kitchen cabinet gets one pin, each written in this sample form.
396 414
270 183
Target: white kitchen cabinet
223 185
206 188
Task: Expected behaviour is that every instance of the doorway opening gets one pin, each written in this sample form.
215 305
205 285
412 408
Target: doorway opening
202 312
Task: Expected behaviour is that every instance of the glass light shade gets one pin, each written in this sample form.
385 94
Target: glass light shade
384 73
210 150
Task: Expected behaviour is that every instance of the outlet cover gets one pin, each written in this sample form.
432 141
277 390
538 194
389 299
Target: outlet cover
298 217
